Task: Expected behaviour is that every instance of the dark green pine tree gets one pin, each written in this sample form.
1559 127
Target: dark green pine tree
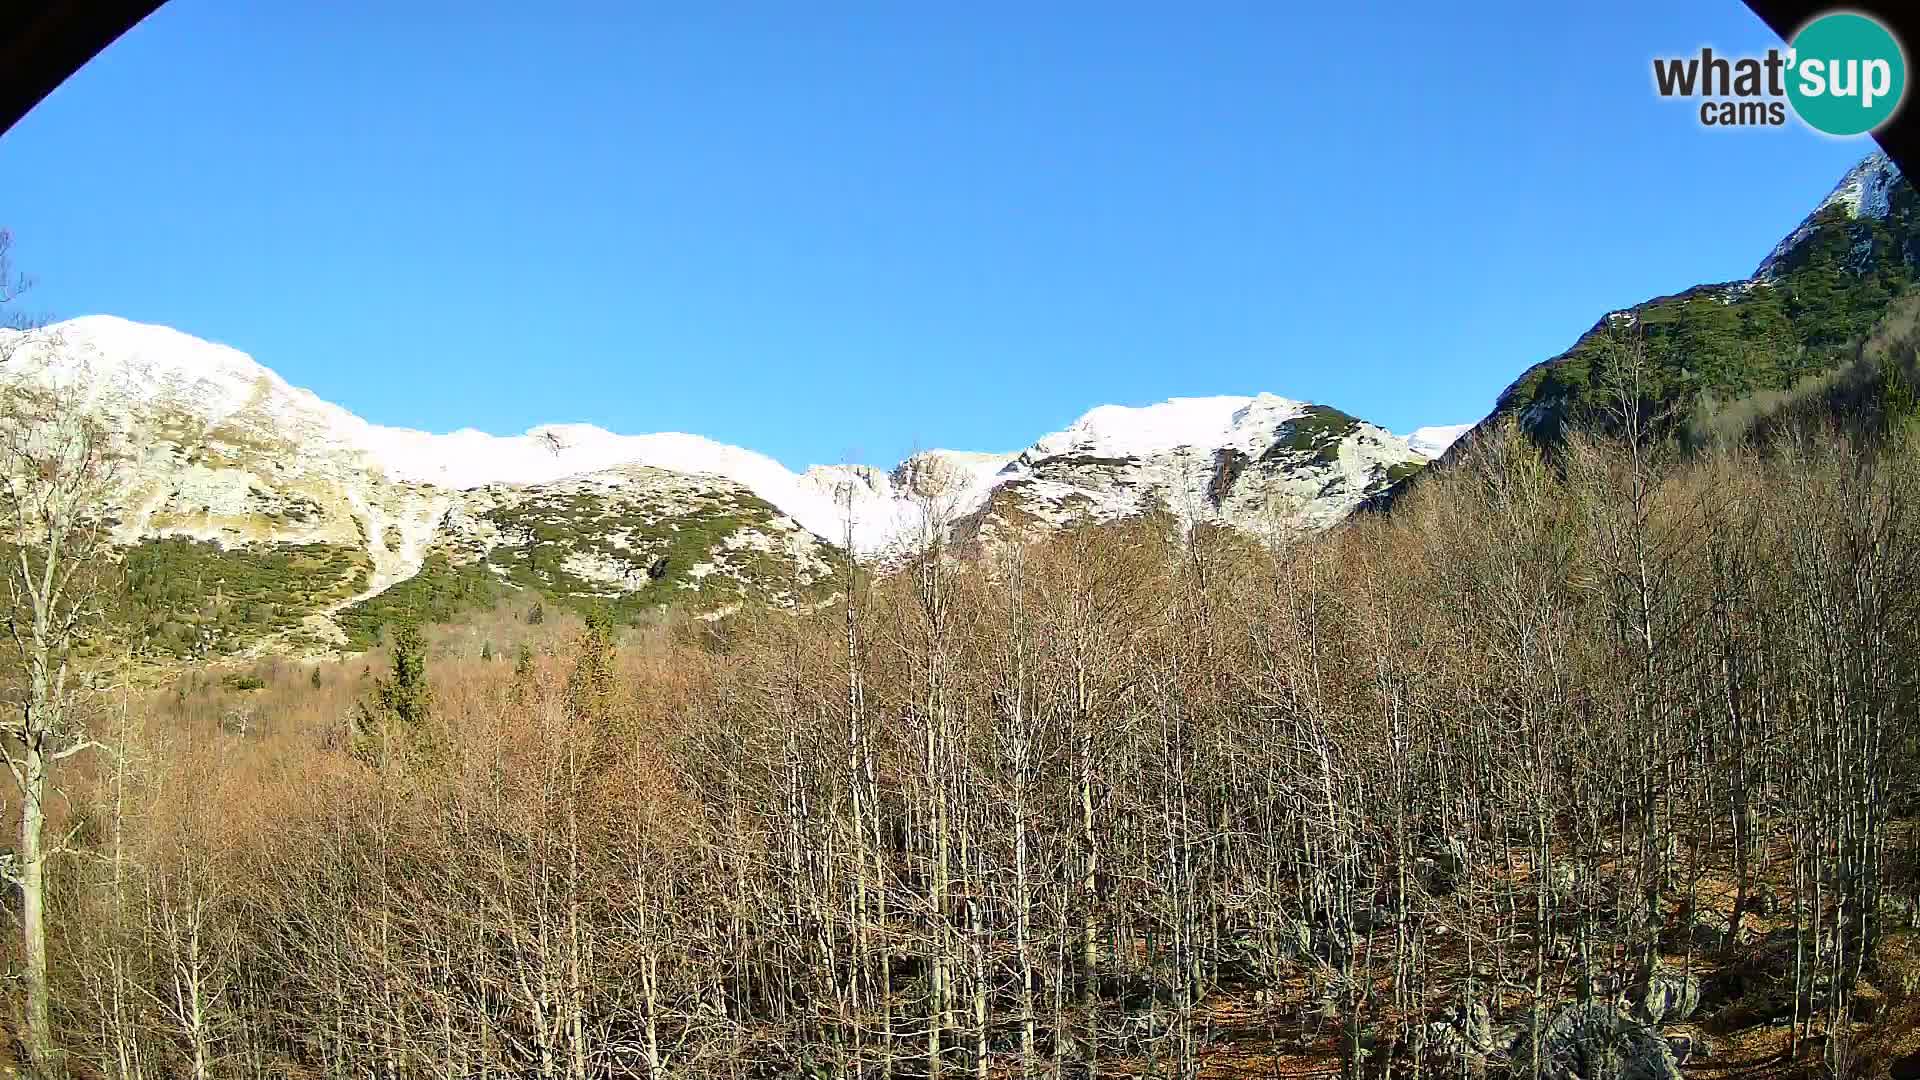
590 686
405 694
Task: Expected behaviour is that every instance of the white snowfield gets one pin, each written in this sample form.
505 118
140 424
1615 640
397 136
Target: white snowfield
134 364
1196 422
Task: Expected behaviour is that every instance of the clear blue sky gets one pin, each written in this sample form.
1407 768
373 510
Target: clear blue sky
842 231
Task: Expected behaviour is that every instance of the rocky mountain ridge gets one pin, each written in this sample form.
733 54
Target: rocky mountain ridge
228 461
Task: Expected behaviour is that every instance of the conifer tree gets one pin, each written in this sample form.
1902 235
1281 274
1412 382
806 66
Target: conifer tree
405 695
396 715
590 686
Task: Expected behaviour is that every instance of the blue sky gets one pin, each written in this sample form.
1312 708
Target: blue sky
844 231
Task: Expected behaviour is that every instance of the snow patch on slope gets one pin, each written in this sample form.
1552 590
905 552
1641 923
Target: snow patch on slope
1434 440
1196 422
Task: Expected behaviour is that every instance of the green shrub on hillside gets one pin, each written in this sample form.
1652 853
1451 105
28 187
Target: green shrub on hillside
1402 470
543 533
438 593
195 598
1317 431
1728 342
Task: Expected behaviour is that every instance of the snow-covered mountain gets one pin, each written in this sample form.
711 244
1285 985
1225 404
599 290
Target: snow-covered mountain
1263 464
228 453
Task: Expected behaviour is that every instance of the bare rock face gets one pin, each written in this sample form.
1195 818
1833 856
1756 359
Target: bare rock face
1466 1032
1475 1024
937 474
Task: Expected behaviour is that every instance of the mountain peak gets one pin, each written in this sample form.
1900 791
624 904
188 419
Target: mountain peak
110 343
1866 191
1825 285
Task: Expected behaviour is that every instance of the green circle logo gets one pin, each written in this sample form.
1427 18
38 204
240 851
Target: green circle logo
1848 74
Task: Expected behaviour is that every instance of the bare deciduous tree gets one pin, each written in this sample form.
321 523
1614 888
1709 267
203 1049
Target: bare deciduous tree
58 473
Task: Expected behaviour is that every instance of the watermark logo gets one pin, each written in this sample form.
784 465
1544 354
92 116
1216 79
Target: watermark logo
1843 74
1852 74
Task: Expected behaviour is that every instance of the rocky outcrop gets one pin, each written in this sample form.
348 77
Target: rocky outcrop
1665 997
1595 1041
1267 466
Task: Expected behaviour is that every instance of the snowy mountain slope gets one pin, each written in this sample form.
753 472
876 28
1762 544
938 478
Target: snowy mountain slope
470 459
223 450
228 455
1263 464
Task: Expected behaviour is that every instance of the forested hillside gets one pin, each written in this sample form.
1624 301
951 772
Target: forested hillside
1801 315
1600 767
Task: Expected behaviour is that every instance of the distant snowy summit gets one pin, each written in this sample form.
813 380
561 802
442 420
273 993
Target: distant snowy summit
882 508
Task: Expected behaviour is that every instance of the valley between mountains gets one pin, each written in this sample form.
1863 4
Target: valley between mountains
259 518
262 517
1224 738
